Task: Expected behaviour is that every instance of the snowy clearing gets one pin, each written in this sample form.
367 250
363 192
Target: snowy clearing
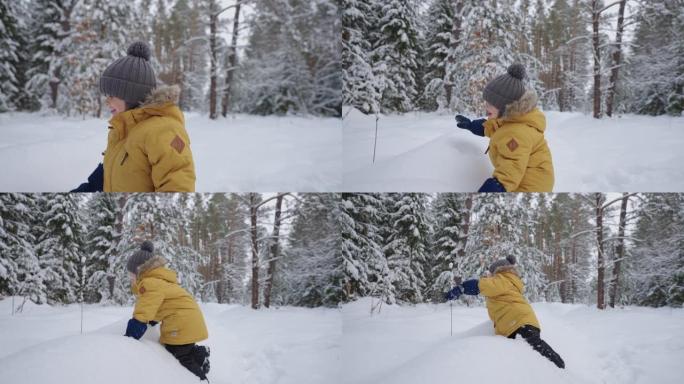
243 153
42 345
412 344
426 152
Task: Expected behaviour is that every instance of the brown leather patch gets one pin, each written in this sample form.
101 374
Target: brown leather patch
512 145
178 144
142 289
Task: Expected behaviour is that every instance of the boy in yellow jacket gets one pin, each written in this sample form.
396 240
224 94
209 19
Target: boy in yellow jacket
515 127
507 307
161 299
148 148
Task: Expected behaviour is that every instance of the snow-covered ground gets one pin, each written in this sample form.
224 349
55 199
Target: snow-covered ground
413 345
243 153
43 345
426 152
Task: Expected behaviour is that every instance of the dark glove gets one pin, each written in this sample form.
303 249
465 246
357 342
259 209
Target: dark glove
470 287
492 185
95 181
152 323
474 126
454 293
135 329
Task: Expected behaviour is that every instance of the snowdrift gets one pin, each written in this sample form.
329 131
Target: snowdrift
412 344
101 357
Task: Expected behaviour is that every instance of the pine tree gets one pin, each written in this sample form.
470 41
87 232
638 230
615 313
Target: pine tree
439 40
360 89
395 55
10 42
406 244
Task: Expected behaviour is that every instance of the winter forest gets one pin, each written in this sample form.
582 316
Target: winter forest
252 249
251 56
600 249
592 56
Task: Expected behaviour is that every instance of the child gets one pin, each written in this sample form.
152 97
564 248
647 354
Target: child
509 311
161 299
515 127
148 149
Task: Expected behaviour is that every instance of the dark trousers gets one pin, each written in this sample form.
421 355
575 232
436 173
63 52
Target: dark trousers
531 335
189 358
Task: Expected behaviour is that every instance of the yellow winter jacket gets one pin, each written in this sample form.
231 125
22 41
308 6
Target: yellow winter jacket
517 147
160 298
148 149
507 307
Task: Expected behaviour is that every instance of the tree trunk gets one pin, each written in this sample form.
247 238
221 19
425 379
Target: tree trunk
595 14
213 27
275 252
232 63
600 299
617 57
253 208
457 7
619 251
466 226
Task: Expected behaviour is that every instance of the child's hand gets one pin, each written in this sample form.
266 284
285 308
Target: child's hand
474 126
135 329
471 287
455 293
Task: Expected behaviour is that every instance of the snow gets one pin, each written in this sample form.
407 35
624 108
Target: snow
412 344
426 152
243 153
43 345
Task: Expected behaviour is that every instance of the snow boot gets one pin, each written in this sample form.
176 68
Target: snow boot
531 335
201 354
185 354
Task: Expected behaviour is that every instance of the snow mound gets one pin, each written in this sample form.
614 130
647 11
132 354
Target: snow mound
101 358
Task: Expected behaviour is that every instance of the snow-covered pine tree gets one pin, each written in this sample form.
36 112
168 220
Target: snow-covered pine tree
312 260
657 259
360 89
441 25
61 248
10 43
451 212
406 244
52 22
292 62
108 281
656 67
395 55
364 263
20 269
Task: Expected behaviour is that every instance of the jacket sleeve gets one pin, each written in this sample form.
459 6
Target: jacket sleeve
492 286
95 181
514 154
149 299
171 161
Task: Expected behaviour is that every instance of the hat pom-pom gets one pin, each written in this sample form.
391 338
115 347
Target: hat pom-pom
511 259
139 49
147 246
517 71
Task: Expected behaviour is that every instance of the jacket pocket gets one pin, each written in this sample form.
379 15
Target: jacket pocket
125 156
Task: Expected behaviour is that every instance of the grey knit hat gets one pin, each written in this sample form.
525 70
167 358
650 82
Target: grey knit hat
506 88
140 256
130 78
509 260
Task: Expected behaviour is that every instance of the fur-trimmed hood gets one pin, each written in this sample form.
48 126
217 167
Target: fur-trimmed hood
152 263
506 268
522 106
162 95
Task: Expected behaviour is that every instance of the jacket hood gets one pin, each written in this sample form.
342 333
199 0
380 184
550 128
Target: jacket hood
155 267
162 95
511 274
525 111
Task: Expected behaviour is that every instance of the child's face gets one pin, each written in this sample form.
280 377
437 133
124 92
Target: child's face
132 276
115 105
492 111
